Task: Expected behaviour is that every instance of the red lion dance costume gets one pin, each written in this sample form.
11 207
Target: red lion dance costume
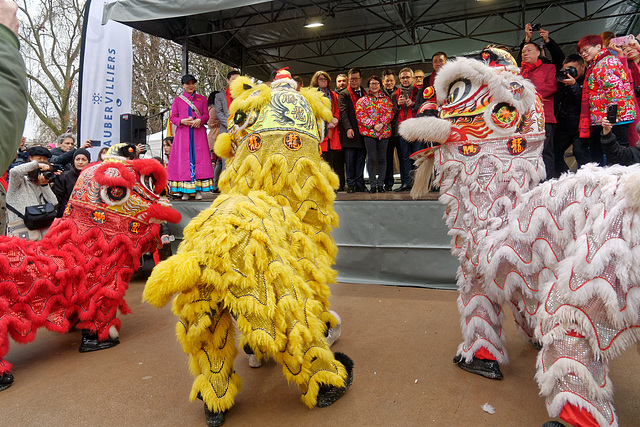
77 275
562 254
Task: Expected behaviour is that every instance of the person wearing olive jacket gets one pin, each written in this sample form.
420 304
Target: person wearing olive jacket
13 103
374 113
13 80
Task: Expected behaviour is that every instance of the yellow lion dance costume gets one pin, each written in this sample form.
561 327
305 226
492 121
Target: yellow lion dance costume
261 253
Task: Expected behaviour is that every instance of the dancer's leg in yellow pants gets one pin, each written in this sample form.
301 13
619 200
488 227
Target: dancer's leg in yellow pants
207 336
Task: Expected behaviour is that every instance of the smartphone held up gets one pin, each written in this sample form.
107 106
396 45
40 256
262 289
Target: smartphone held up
621 41
612 113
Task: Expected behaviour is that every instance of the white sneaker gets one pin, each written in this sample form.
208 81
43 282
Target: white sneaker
334 333
185 196
254 362
198 195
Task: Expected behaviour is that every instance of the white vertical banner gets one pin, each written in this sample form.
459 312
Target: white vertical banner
105 80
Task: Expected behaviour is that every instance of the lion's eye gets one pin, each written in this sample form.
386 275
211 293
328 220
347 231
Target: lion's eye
239 117
115 195
458 90
244 120
149 182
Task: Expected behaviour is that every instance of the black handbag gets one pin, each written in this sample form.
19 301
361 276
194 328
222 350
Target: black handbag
38 216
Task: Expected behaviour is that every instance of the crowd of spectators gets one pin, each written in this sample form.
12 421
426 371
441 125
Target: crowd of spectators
590 101
576 91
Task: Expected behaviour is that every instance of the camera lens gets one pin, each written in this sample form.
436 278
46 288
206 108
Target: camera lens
49 175
561 75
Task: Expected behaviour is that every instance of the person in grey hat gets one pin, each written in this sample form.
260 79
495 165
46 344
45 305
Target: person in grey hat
63 185
29 186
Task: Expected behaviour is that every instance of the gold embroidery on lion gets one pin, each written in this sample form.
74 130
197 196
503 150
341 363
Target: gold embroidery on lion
261 254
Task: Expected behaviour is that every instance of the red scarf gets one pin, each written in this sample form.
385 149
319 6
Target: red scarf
432 78
354 96
406 112
584 125
527 68
229 98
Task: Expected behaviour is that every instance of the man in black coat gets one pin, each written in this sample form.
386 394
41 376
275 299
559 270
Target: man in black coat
616 153
568 101
350 138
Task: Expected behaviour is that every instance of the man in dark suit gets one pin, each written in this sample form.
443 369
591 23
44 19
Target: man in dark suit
350 138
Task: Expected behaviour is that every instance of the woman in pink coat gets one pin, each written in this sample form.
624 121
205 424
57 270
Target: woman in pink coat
189 169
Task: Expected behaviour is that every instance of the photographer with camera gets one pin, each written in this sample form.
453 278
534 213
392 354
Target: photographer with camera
29 186
568 100
63 185
553 51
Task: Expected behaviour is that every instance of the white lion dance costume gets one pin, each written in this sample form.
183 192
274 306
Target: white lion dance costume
261 253
564 255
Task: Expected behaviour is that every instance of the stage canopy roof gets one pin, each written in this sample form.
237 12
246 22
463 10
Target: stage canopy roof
259 36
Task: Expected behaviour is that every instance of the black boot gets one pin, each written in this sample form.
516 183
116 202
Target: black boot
328 395
6 380
90 342
486 368
553 424
214 419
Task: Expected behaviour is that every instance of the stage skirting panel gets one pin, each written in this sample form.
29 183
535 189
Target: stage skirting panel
394 242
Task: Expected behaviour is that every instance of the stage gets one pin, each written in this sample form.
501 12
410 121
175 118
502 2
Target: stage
384 238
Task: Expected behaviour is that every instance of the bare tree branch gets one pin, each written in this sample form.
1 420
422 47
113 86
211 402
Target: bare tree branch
50 39
50 34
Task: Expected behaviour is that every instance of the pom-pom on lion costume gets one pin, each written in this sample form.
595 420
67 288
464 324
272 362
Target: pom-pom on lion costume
261 253
77 275
563 255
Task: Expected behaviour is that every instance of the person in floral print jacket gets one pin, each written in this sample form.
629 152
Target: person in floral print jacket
606 83
374 113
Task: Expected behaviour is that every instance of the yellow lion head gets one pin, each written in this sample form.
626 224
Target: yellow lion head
273 144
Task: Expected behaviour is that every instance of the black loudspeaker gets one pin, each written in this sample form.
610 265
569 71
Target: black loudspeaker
133 129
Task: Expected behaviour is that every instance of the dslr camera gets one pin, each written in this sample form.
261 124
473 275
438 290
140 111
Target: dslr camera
569 71
50 175
536 27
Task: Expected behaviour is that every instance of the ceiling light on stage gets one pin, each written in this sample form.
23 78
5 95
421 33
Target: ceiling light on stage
313 23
